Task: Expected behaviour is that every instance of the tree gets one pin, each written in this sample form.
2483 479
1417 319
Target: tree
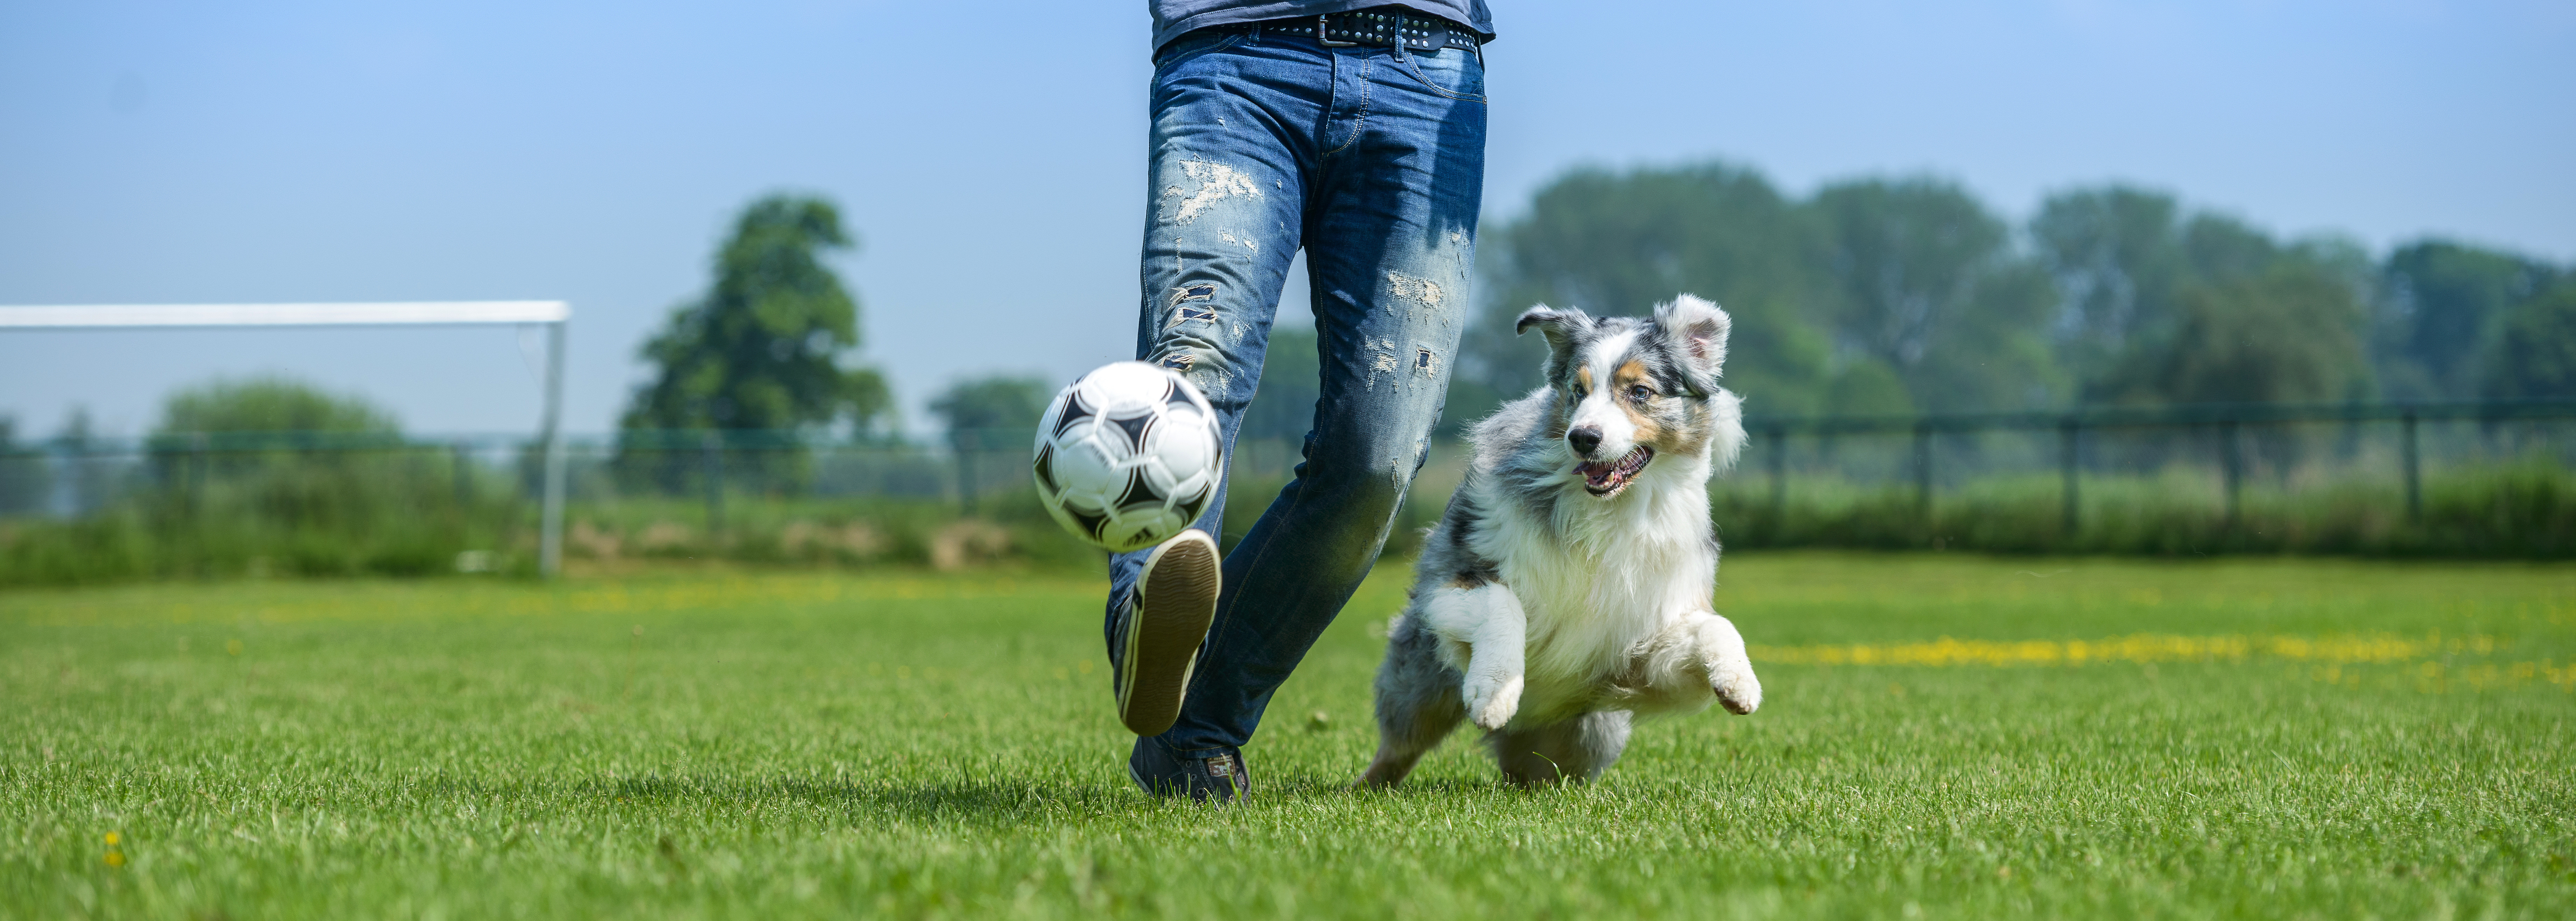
2444 309
1618 243
2158 304
2534 356
2292 334
267 404
1931 288
26 479
987 414
2122 259
284 407
2218 249
2115 255
1876 295
321 488
998 403
762 349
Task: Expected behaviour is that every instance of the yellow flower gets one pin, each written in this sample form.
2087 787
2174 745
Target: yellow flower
112 839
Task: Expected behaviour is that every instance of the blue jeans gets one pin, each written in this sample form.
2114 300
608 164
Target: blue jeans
1373 160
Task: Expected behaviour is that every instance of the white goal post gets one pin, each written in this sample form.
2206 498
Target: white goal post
553 315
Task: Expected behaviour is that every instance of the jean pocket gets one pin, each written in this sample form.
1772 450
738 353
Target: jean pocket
1193 44
1455 72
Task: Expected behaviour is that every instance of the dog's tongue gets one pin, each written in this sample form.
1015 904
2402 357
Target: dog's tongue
1602 474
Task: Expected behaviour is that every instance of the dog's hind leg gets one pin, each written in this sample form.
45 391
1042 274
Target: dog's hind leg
1417 702
1578 749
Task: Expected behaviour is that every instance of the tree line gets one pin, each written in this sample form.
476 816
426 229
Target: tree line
1897 295
1872 295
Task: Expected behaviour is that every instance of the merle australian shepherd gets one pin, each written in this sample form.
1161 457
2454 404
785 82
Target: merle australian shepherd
1567 587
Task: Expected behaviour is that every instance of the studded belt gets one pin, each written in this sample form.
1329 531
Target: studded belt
1381 26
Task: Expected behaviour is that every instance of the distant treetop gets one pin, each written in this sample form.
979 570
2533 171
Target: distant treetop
269 404
764 347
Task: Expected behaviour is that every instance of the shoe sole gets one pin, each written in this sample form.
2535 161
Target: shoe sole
1176 602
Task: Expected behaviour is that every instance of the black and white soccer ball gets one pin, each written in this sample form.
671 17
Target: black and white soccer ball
1128 456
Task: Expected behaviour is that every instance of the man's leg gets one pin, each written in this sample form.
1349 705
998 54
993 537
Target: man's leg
1390 235
1225 195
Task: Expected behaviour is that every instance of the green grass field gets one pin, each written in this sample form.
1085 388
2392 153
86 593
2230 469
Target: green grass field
1941 736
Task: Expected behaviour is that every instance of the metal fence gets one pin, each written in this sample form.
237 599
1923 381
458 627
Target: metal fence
2212 454
2216 450
71 479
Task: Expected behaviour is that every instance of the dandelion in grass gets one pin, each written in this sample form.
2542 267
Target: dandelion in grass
2134 648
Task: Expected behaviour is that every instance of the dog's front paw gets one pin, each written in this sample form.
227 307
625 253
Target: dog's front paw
1491 703
1730 671
1737 690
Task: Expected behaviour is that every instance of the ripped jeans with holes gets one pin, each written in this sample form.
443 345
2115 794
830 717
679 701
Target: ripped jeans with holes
1371 160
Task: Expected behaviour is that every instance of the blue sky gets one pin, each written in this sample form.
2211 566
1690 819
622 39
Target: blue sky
989 156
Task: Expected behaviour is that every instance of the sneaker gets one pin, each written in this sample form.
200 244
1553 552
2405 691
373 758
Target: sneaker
1221 776
1165 620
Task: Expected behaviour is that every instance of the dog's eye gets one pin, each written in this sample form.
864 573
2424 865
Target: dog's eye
1641 393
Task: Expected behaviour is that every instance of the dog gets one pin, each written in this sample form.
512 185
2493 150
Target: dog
1567 587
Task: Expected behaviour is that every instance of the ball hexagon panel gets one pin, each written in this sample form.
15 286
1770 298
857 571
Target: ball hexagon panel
1084 469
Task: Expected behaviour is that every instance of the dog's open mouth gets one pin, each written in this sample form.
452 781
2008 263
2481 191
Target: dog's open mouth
1605 478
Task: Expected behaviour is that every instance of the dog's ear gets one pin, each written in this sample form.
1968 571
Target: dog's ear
1700 328
1562 328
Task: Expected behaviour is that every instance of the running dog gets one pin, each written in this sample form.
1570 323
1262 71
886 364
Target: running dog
1567 586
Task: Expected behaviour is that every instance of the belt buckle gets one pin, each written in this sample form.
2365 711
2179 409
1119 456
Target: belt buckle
1324 32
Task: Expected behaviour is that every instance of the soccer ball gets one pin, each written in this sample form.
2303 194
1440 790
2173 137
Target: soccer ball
1128 456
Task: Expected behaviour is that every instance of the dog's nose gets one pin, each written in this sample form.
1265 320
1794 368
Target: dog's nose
1585 440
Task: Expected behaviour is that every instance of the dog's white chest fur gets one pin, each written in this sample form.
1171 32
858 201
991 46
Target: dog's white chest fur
1602 579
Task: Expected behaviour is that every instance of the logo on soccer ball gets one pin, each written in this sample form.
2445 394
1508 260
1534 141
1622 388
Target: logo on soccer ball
1128 456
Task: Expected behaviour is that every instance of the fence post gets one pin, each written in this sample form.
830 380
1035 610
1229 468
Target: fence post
2069 430
965 444
2414 470
711 464
2231 462
1779 479
550 511
1923 467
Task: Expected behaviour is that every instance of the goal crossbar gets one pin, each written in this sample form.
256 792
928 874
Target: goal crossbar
553 315
404 313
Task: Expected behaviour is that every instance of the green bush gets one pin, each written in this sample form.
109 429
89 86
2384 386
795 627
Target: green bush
2525 510
337 514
